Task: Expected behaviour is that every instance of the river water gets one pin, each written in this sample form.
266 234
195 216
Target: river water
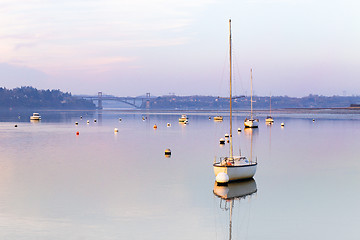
99 184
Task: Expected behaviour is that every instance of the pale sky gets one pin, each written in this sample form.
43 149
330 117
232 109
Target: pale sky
128 48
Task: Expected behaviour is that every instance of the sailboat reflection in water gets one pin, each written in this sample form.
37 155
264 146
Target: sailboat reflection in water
231 192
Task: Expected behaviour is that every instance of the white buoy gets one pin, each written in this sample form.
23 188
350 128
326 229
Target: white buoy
227 135
76 123
80 117
313 120
94 120
168 125
87 121
116 130
222 178
119 119
239 129
222 141
282 124
209 118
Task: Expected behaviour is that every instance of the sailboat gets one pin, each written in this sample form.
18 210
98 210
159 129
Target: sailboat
233 168
234 191
251 122
269 120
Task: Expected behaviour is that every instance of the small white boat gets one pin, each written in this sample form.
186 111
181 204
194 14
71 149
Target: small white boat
218 118
269 119
233 168
251 122
236 167
35 116
183 118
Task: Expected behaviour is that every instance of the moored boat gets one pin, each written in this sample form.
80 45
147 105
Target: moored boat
251 122
233 168
183 118
35 117
218 118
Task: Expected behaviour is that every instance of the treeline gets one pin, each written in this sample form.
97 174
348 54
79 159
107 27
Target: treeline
277 102
29 97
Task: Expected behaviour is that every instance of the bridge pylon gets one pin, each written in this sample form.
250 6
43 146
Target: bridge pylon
100 100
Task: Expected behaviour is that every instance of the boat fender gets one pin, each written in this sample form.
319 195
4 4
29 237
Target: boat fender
222 178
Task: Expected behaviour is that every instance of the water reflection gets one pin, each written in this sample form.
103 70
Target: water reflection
230 193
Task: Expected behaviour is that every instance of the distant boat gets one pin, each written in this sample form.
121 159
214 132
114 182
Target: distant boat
269 119
183 119
251 122
35 117
233 168
218 118
234 191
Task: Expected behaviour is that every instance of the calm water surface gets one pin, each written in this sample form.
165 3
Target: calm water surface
106 185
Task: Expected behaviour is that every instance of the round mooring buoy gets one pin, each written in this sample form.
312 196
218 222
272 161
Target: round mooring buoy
76 123
168 125
80 117
116 130
119 119
77 133
313 120
222 178
282 124
227 135
167 152
239 129
94 120
222 141
155 127
87 121
15 125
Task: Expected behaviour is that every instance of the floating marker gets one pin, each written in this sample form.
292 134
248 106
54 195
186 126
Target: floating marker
15 125
222 178
155 127
168 125
222 141
116 130
87 121
313 120
76 123
282 124
80 117
239 129
94 120
167 152
119 119
209 118
77 133
226 135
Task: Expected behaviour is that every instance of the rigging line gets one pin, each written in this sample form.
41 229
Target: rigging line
236 62
222 77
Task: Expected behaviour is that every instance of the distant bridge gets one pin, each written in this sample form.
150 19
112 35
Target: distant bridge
137 102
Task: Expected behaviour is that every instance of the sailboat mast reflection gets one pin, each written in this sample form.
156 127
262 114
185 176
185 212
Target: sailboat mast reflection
234 191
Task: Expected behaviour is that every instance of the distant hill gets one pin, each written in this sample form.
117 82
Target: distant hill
29 97
243 103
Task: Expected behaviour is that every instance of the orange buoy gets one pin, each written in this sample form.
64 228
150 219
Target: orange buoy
155 127
77 133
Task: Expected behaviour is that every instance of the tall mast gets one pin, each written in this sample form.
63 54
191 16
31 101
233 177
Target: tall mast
270 104
231 145
251 101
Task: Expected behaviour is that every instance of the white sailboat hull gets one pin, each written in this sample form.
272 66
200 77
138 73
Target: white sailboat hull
236 172
251 123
